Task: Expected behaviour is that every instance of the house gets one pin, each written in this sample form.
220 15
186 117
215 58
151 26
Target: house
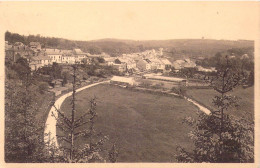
180 64
160 52
179 81
130 64
12 53
188 64
127 81
143 64
177 65
68 59
120 67
109 60
35 46
156 64
79 55
166 63
37 62
202 69
54 54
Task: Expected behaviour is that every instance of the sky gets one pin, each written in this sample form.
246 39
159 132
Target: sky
132 20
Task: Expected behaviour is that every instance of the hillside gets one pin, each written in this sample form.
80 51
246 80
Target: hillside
172 48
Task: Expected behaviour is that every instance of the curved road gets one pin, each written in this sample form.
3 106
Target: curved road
50 128
50 125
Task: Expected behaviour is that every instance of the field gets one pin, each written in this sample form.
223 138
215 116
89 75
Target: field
245 101
146 127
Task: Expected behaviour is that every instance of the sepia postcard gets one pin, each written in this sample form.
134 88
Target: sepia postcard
129 84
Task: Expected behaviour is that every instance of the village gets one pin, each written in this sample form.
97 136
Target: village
147 68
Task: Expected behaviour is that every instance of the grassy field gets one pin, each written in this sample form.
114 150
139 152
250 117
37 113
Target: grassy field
146 127
245 101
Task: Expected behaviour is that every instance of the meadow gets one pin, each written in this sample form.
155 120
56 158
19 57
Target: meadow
245 101
146 127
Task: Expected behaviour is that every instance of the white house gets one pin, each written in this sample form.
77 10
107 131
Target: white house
54 54
143 65
68 59
166 63
79 55
109 60
157 64
39 61
122 80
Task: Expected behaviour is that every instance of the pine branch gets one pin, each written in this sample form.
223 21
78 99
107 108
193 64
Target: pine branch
63 138
82 117
62 128
81 124
66 119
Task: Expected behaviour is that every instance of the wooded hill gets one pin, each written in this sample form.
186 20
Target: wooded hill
172 48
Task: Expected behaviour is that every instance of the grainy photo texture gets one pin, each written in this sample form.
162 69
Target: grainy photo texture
131 82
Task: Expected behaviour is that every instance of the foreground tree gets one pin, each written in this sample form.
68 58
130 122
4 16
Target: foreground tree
221 137
73 128
23 132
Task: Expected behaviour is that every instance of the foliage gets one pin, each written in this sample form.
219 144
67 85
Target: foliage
234 145
180 90
113 154
53 71
65 78
188 72
73 129
215 61
43 86
23 132
251 78
220 137
100 70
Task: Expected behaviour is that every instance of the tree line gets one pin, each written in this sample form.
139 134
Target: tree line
173 48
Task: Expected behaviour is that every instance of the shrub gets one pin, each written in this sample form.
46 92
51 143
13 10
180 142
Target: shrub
43 86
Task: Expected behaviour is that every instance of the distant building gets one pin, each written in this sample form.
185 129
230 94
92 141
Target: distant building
12 53
180 81
109 60
122 80
160 51
39 61
35 46
130 64
120 67
156 64
79 55
202 69
68 59
166 63
186 63
54 54
143 65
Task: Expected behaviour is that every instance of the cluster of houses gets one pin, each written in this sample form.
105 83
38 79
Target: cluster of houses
145 61
39 57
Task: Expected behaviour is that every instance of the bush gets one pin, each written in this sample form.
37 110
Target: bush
43 86
237 141
180 90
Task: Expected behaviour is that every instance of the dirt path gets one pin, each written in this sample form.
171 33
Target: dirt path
51 121
50 125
